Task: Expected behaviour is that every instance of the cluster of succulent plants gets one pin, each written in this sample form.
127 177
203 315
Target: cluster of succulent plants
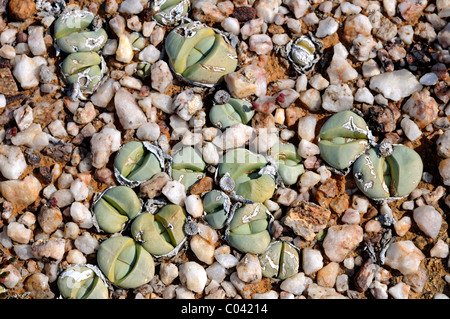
382 171
79 34
247 194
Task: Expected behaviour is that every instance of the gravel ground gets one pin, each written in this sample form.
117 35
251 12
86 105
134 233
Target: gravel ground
386 61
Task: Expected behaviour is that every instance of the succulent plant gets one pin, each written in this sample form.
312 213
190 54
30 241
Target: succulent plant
243 167
143 69
188 166
216 204
78 33
81 282
288 161
125 262
199 54
388 171
115 207
162 232
137 41
233 112
304 52
343 138
83 69
169 12
279 260
135 162
248 229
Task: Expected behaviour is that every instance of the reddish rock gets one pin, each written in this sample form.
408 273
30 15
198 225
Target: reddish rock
422 108
202 186
306 219
154 186
22 9
243 14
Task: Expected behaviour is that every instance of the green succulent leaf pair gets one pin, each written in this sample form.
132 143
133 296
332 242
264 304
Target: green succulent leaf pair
345 139
135 162
396 175
288 161
162 232
125 262
115 207
280 260
233 112
199 54
243 167
188 166
81 282
169 12
248 229
75 34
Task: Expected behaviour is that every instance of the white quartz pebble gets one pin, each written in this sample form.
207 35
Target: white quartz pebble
128 111
193 276
75 256
307 149
249 269
161 76
410 128
307 127
148 132
440 249
26 70
12 162
399 291
260 44
312 260
105 93
79 190
327 27
395 85
149 54
103 144
340 240
86 243
175 192
404 256
428 219
194 205
19 233
202 249
231 25
36 41
81 215
168 272
296 284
